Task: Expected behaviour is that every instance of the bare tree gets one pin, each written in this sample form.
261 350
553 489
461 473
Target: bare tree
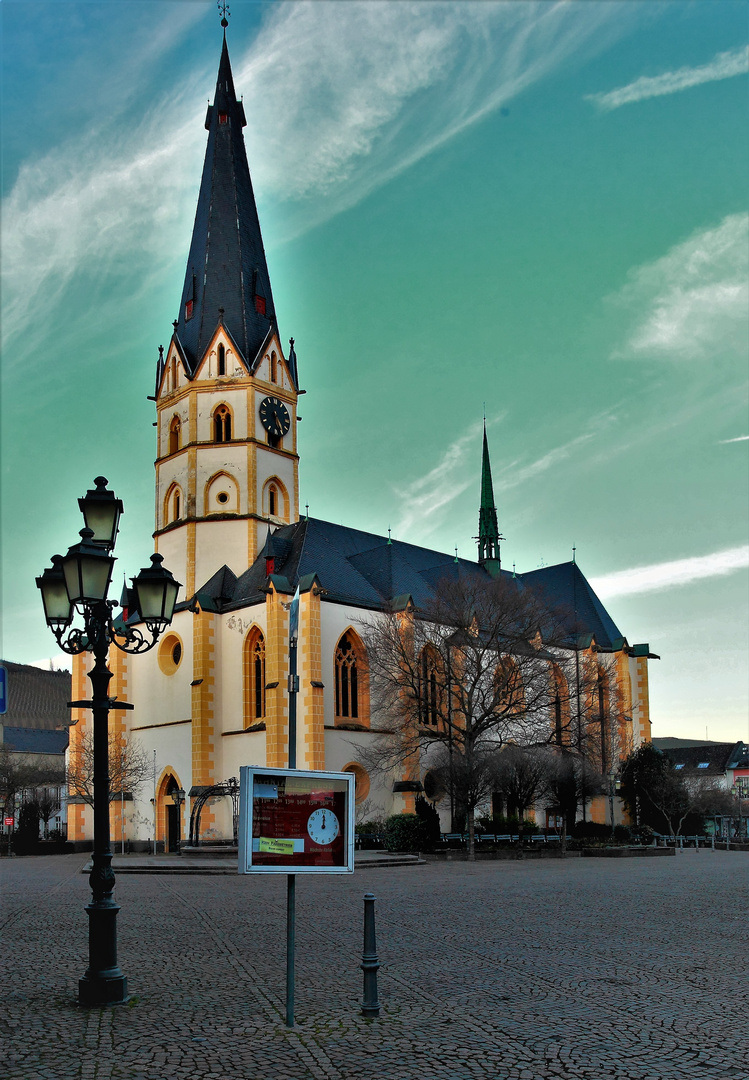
465 675
129 766
522 777
19 774
49 802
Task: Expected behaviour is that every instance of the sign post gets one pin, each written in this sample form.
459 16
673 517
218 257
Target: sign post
293 821
291 880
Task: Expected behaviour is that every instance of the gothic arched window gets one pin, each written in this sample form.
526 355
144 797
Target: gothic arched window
221 360
346 680
175 431
221 424
254 678
429 697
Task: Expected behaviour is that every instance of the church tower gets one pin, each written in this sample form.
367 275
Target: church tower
488 537
226 393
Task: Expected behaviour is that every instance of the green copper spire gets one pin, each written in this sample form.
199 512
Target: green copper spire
489 536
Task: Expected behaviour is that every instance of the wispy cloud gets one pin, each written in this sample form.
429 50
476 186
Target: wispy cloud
692 304
351 94
723 66
425 499
739 438
670 575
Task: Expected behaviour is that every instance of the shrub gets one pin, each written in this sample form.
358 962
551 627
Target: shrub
405 832
591 830
643 834
622 833
373 827
431 822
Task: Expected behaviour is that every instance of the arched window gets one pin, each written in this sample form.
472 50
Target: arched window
429 696
275 501
221 424
254 678
602 704
346 680
175 432
560 706
273 368
221 360
173 373
173 504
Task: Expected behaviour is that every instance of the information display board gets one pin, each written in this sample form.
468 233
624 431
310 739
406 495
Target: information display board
295 822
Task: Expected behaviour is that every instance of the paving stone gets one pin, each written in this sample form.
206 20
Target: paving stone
555 970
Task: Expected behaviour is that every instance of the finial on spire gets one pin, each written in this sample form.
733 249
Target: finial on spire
513 570
389 540
224 12
574 560
456 555
306 507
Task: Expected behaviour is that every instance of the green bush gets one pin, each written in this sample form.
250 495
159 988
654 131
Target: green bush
431 822
591 830
622 833
374 827
405 832
643 834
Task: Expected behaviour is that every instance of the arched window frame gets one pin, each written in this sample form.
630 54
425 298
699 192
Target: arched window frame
232 505
351 680
560 707
273 368
173 505
222 423
175 434
282 499
430 690
254 677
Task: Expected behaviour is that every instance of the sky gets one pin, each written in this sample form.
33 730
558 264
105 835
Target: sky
539 210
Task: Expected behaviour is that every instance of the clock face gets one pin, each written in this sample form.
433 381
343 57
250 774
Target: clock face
274 416
322 826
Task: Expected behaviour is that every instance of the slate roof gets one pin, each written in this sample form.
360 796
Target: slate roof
370 571
565 587
35 741
715 755
37 698
226 267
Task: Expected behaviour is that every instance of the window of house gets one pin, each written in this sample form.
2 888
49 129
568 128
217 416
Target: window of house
346 680
222 424
223 118
189 309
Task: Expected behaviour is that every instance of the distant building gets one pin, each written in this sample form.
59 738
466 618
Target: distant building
34 733
213 695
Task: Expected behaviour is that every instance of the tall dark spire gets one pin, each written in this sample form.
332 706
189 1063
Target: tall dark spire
226 267
489 536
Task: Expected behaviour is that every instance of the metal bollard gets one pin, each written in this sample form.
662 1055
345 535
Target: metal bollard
370 1006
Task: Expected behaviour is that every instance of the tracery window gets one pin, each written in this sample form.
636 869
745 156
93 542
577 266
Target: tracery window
346 680
254 678
221 424
428 690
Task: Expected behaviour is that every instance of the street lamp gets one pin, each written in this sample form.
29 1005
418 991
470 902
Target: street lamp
178 797
78 583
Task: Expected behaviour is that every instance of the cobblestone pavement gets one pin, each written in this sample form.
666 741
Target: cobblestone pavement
589 969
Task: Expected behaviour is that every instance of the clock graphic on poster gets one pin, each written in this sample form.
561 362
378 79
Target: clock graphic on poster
323 826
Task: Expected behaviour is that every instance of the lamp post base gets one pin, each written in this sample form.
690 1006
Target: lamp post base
103 982
107 991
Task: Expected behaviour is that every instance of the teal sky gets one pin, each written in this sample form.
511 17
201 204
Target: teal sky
537 207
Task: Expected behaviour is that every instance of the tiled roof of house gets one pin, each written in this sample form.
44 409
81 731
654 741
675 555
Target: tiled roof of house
710 759
37 698
34 740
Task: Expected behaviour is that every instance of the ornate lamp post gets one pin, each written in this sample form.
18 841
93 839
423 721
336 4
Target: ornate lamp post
79 583
178 797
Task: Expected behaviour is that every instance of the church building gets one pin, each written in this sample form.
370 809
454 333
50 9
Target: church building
213 694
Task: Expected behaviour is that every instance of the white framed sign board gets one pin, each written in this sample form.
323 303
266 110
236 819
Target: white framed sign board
295 822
